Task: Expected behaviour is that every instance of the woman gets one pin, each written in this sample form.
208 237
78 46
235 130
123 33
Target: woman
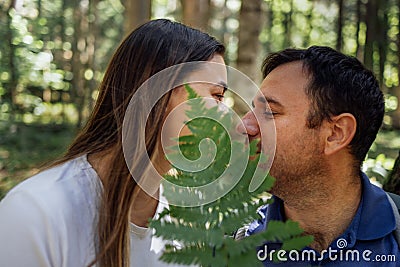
86 209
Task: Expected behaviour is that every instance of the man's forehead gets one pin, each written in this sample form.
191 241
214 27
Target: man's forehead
267 100
284 85
288 70
268 94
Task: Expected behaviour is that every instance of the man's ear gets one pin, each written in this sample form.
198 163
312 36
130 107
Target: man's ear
340 132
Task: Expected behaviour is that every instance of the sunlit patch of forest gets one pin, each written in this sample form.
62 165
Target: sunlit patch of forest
53 55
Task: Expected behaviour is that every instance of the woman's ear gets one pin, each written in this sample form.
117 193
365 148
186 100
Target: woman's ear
342 129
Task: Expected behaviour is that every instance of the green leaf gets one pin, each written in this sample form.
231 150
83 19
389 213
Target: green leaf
204 230
297 243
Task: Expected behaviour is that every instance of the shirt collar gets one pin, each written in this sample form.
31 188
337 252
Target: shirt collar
275 210
374 217
376 214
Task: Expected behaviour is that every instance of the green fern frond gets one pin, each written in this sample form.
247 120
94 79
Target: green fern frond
204 231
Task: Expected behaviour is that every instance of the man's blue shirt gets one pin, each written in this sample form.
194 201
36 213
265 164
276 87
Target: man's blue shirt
368 241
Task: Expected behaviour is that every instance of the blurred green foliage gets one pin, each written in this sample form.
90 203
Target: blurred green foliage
50 52
46 48
53 55
382 155
26 148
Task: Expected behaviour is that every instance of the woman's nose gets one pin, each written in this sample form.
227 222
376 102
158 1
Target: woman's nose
249 125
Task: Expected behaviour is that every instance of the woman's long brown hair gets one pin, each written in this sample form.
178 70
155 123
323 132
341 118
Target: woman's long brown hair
152 47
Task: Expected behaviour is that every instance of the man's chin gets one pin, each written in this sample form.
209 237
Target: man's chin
278 192
278 189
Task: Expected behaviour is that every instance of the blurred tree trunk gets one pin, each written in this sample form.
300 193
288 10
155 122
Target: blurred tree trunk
249 44
77 48
392 184
339 40
61 61
250 18
39 8
136 13
382 39
371 20
11 88
287 21
269 18
359 53
307 34
92 36
196 13
224 32
396 90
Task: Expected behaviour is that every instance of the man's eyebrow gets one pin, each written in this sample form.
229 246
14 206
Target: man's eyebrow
259 99
269 100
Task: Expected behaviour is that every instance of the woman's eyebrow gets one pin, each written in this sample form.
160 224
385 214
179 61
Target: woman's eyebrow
224 85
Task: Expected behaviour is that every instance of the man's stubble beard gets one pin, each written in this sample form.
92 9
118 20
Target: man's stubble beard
300 178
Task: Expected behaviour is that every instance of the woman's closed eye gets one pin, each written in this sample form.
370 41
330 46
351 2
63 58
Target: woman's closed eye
219 97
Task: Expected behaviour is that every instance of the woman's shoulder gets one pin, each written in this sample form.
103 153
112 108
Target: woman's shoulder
73 175
60 189
53 211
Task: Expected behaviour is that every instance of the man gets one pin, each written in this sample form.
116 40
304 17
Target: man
327 109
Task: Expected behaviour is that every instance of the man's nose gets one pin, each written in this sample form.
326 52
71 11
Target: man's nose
249 125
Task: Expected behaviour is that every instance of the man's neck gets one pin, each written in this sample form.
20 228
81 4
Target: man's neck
327 214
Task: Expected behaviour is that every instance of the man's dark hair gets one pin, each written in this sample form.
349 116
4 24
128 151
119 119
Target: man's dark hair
337 84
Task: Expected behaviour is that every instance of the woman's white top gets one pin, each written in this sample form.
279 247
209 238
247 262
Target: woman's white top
50 220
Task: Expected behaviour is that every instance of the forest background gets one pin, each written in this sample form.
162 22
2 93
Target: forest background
53 54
